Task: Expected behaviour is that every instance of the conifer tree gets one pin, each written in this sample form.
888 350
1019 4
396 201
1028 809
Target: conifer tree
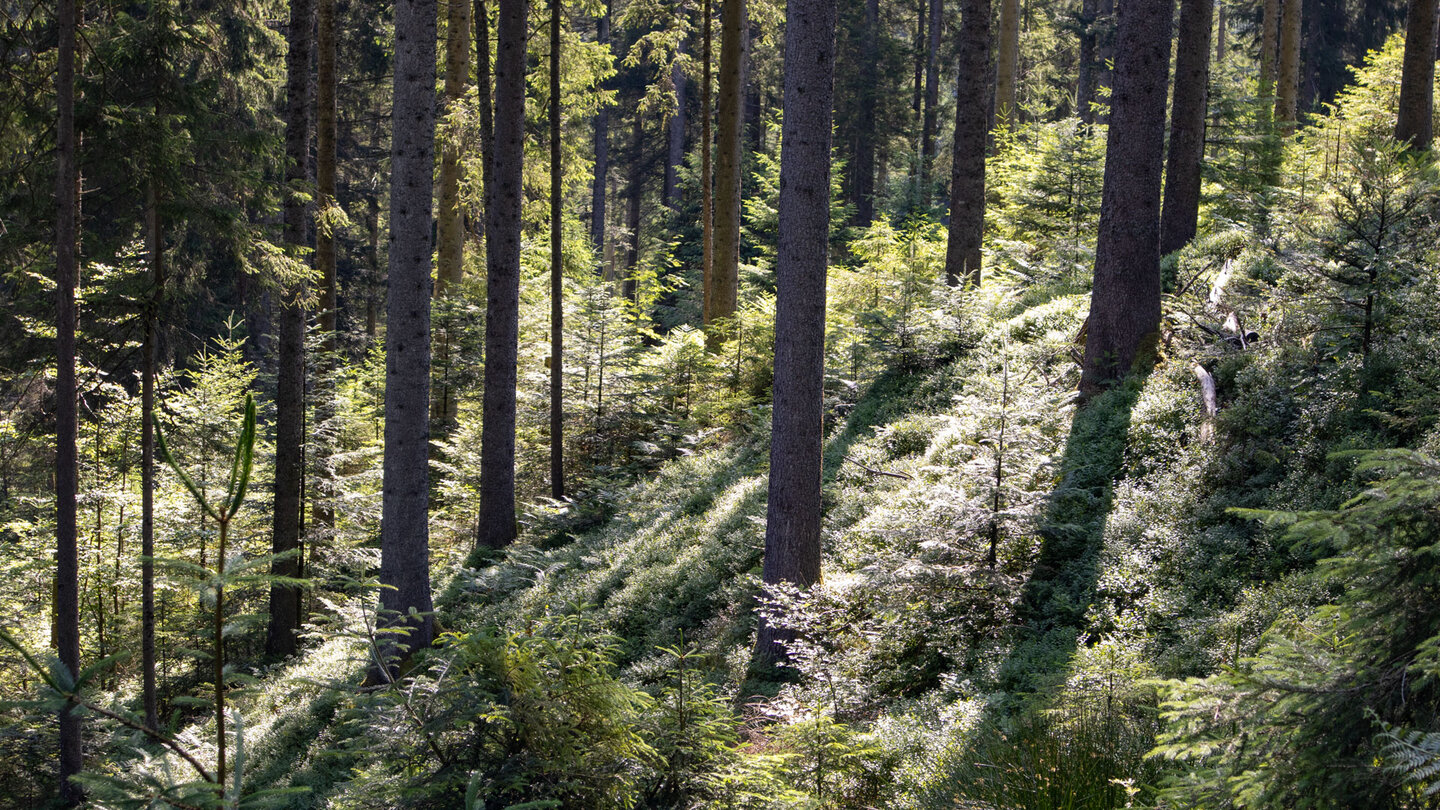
1417 81
1187 126
721 295
792 518
972 129
404 526
502 307
1125 301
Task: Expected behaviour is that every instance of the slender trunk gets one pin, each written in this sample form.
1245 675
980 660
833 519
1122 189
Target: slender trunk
967 172
1105 46
1125 301
156 257
1287 91
404 525
450 218
864 169
932 102
377 271
1187 126
602 149
67 560
1417 82
502 309
481 12
325 166
675 153
1269 47
634 189
792 522
1085 83
922 13
1007 66
557 272
726 272
284 627
707 185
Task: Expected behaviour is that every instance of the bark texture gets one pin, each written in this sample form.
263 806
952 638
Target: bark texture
450 224
67 481
602 149
1187 126
864 170
557 271
932 102
502 308
1287 90
282 634
720 298
404 525
1125 300
792 522
1007 65
1415 124
967 167
1269 46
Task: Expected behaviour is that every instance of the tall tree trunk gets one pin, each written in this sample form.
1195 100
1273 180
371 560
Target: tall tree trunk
864 169
325 167
154 248
1269 47
1417 82
967 168
1125 301
1086 81
707 174
450 218
1105 47
932 103
633 190
792 520
502 309
284 627
675 151
67 463
404 524
1187 126
557 272
1007 66
922 13
481 13
602 149
1287 91
726 273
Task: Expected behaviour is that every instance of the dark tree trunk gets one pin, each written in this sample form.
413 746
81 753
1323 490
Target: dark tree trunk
932 102
404 524
154 249
602 149
1105 45
502 309
450 219
1086 81
1287 90
707 183
675 151
282 635
325 166
1007 66
1269 46
633 190
557 271
967 173
721 301
1125 301
481 13
922 12
792 523
1187 126
67 481
864 169
1417 82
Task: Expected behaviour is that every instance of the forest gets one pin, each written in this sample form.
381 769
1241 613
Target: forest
485 404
